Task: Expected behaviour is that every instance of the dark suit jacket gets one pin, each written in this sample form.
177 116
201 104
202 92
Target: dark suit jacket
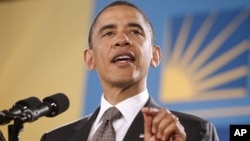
196 128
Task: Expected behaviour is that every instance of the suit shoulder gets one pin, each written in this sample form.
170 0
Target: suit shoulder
73 124
196 127
64 130
189 117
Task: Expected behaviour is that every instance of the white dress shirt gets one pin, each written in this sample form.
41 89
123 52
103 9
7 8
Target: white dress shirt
129 109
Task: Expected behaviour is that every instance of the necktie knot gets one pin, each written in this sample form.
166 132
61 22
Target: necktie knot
111 114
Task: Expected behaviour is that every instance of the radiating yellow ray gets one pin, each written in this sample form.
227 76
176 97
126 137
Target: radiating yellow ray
197 40
214 95
181 40
231 111
222 60
216 43
221 94
222 78
225 93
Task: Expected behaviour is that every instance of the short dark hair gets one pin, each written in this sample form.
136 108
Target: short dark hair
118 3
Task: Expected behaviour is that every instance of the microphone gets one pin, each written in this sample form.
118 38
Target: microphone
50 107
17 109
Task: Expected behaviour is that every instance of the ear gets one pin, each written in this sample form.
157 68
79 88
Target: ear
157 55
89 59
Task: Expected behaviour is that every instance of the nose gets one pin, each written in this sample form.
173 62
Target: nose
122 40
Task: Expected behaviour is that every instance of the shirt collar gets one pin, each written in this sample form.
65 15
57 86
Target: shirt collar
129 107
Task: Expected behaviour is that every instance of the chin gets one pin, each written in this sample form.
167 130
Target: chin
123 82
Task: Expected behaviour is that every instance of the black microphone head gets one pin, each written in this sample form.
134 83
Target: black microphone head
30 102
58 103
21 105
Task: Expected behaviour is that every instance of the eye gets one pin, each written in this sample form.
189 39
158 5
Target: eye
109 33
135 31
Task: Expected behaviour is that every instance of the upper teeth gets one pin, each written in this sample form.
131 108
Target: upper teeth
123 57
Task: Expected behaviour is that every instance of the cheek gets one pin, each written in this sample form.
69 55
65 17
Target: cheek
101 56
147 50
145 56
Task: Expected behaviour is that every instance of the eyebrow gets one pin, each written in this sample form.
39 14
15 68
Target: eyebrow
135 25
105 27
112 26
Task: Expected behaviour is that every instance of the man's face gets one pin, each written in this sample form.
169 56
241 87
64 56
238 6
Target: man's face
122 49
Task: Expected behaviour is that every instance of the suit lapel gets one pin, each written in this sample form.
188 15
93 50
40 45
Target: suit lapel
136 129
83 128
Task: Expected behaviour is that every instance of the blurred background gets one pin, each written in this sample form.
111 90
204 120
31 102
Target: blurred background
205 68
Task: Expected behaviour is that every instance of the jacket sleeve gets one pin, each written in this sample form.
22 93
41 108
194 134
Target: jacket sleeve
210 133
196 128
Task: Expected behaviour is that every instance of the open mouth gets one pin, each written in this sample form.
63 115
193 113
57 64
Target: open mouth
123 58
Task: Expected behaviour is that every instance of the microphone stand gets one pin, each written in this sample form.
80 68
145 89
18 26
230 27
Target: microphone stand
16 127
1 136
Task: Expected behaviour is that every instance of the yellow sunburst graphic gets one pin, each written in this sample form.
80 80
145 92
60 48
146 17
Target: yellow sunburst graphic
185 78
177 82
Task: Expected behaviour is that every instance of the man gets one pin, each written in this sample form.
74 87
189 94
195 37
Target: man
122 49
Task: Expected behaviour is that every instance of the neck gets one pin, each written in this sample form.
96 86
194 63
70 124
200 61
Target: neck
115 94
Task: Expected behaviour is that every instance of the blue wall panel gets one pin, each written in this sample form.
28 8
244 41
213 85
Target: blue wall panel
214 81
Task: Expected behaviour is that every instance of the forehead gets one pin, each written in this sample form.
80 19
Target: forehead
122 15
